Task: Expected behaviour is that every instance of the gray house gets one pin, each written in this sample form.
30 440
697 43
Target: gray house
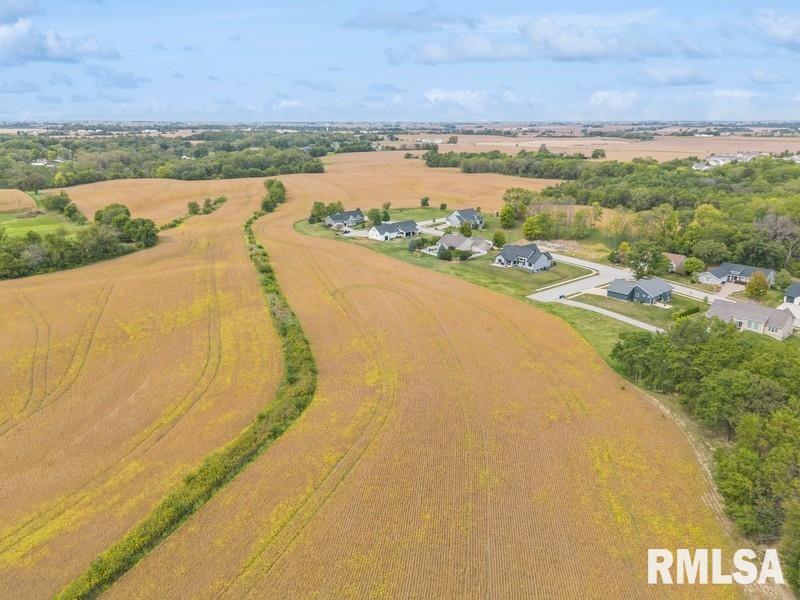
348 218
465 215
456 241
775 322
733 273
792 294
527 257
645 290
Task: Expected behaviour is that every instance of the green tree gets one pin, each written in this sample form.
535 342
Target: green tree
783 279
193 208
106 215
711 252
598 153
499 239
375 216
425 202
444 253
693 266
443 206
539 226
757 286
142 232
318 212
647 260
507 216
465 229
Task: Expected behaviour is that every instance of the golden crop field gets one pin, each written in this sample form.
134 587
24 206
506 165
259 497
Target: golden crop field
661 148
461 443
14 201
119 377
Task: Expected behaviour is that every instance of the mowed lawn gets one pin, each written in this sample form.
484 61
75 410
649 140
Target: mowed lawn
513 282
655 315
42 224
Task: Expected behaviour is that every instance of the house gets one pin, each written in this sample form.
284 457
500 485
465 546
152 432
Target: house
348 218
675 262
794 309
792 294
389 231
733 273
465 215
456 241
527 257
645 290
774 322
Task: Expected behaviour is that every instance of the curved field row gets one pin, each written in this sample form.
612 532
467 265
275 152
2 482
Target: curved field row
461 443
14 201
119 378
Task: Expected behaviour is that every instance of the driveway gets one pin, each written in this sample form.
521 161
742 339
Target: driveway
613 315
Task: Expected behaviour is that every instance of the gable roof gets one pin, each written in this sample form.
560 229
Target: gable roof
651 286
677 259
460 242
401 226
771 317
793 291
346 214
728 268
531 252
384 228
467 214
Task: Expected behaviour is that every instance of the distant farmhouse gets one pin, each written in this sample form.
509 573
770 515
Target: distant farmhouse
718 160
675 262
774 322
527 257
465 215
733 273
348 218
389 231
646 291
455 241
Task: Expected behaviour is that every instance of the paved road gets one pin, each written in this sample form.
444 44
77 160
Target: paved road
613 315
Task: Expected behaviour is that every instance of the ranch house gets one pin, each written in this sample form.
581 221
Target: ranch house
527 257
645 290
389 231
773 322
465 215
733 273
348 218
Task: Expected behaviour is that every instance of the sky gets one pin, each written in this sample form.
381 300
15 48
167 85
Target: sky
345 60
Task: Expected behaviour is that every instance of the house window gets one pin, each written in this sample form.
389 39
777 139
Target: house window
752 325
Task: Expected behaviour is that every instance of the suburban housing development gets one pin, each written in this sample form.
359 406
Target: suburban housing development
527 257
645 290
773 322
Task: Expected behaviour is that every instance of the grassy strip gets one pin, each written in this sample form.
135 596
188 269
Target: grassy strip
293 395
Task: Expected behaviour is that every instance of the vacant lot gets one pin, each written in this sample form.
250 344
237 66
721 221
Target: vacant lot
461 444
15 201
119 377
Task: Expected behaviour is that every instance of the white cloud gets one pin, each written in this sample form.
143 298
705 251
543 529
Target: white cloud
12 11
613 101
464 99
734 94
287 103
21 43
672 75
469 47
417 21
783 30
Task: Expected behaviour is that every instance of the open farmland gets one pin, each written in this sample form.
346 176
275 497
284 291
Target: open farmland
461 443
120 377
661 148
14 201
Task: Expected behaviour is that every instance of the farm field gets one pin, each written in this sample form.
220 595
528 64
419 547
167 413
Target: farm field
121 376
461 443
12 201
661 148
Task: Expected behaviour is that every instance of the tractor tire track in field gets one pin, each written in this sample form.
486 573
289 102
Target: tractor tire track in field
146 440
297 521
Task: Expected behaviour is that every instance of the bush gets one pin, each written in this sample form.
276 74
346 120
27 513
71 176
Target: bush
443 206
444 253
462 254
499 239
193 208
425 201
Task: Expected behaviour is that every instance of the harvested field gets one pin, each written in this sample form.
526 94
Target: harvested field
15 201
661 148
461 443
121 376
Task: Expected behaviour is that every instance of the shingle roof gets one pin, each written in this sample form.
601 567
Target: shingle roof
460 242
652 287
772 317
738 270
405 226
512 251
344 215
793 291
384 228
468 214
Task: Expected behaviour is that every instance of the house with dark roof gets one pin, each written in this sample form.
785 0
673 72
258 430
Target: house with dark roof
774 322
456 241
792 295
389 231
465 215
527 257
645 290
347 218
733 273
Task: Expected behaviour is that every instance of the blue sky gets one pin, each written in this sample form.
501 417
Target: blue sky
356 60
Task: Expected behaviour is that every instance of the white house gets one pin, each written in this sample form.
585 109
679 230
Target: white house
389 231
347 218
465 215
527 257
733 273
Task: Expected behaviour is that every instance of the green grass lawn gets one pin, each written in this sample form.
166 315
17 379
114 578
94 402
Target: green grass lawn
660 317
418 214
42 224
514 282
687 281
772 298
